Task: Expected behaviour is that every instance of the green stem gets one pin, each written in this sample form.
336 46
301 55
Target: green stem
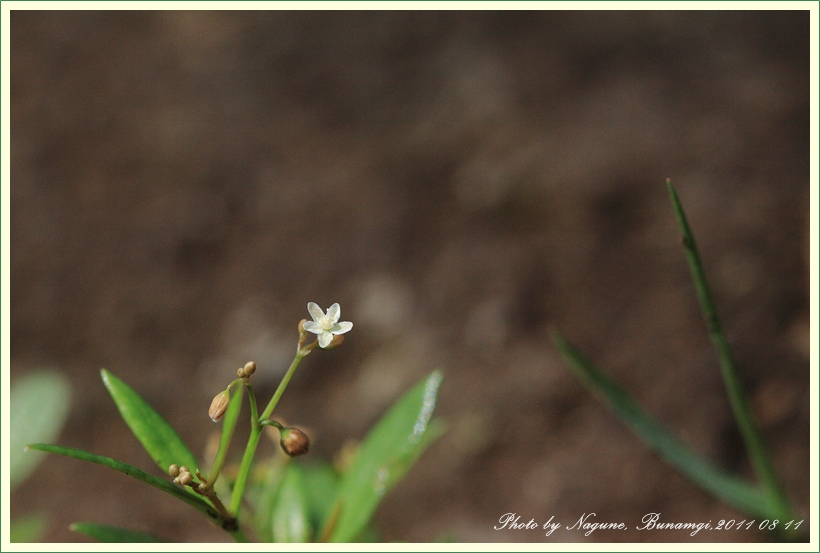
300 354
256 429
737 398
247 457
228 427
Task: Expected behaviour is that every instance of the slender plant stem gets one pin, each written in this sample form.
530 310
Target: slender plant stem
300 354
228 427
247 457
256 430
737 397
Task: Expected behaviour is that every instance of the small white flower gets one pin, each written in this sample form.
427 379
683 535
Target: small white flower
326 325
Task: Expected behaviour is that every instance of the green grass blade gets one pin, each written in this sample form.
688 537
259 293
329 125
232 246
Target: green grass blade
386 454
39 407
737 396
193 500
113 534
158 438
734 491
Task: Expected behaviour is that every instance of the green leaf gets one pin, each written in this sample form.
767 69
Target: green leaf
27 529
384 457
734 491
112 534
158 438
760 457
39 407
322 483
193 500
290 519
263 497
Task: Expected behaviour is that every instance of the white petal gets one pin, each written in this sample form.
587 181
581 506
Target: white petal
334 312
315 311
324 339
313 327
341 328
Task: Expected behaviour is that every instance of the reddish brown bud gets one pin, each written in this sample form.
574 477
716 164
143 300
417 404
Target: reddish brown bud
250 368
219 405
294 442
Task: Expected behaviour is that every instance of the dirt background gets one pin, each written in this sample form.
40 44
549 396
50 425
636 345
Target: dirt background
183 183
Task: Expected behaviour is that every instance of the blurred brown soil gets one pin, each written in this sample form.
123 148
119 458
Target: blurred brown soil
462 183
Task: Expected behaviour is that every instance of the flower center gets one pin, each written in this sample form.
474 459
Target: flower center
326 323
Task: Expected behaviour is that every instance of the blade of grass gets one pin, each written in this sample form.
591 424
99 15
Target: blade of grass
734 491
737 397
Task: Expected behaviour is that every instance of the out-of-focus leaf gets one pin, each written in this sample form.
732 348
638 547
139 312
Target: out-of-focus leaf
264 500
290 517
39 406
112 534
384 457
322 483
193 500
27 529
158 438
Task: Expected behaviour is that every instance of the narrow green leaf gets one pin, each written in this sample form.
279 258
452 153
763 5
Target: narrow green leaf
193 500
27 529
755 446
158 438
290 518
384 457
112 534
39 407
734 491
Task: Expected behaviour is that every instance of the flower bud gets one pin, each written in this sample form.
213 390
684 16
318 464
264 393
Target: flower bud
240 372
219 405
294 442
250 368
183 475
184 478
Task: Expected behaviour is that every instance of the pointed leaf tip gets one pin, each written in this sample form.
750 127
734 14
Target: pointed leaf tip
158 437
